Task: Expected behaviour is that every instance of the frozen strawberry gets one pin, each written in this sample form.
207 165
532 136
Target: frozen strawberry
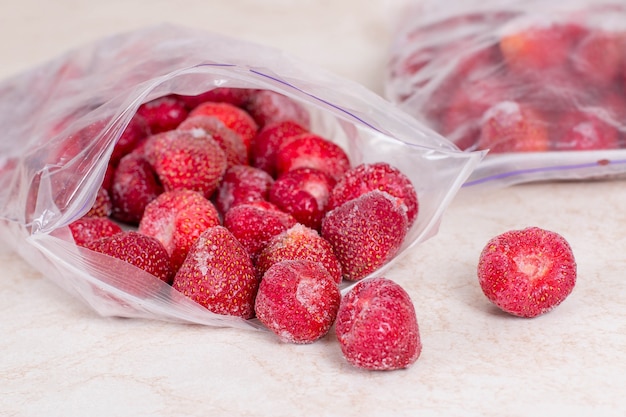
233 117
163 114
299 242
268 140
102 206
599 56
376 176
184 161
136 131
242 184
107 181
298 301
142 251
218 274
312 151
527 272
235 96
253 224
176 219
89 229
135 184
509 126
365 232
303 193
377 326
539 47
230 142
581 131
270 107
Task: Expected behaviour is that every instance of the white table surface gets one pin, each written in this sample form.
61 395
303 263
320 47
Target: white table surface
58 358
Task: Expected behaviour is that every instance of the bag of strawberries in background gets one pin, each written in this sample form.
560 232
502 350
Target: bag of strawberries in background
541 85
145 172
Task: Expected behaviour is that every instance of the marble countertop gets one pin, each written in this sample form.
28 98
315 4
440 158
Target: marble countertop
59 358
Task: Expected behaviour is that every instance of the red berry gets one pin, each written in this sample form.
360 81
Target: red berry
269 107
298 301
235 96
136 131
233 117
163 114
365 233
312 151
509 126
253 224
303 193
599 56
227 139
89 229
242 184
176 219
268 140
377 326
578 130
299 242
218 274
377 176
527 272
134 185
142 251
183 161
102 206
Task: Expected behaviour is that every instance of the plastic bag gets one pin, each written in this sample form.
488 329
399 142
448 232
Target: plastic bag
48 179
542 85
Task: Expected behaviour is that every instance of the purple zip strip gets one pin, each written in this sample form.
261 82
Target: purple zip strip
601 162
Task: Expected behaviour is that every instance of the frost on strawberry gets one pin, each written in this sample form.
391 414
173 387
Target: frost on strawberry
365 232
269 107
88 229
377 327
527 272
242 184
298 301
218 274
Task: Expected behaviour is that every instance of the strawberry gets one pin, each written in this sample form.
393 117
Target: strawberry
299 242
268 140
377 326
235 96
163 113
233 117
218 274
144 252
298 301
134 185
270 107
176 219
376 176
88 229
227 139
510 126
365 232
527 272
136 131
303 193
183 161
599 56
102 206
578 130
253 224
312 151
242 184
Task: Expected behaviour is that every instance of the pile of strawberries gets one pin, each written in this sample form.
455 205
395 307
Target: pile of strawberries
230 197
510 83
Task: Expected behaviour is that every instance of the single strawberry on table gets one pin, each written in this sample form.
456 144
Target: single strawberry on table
218 274
377 327
297 300
527 272
176 218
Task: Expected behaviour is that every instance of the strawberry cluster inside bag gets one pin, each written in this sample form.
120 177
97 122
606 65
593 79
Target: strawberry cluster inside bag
541 86
62 120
